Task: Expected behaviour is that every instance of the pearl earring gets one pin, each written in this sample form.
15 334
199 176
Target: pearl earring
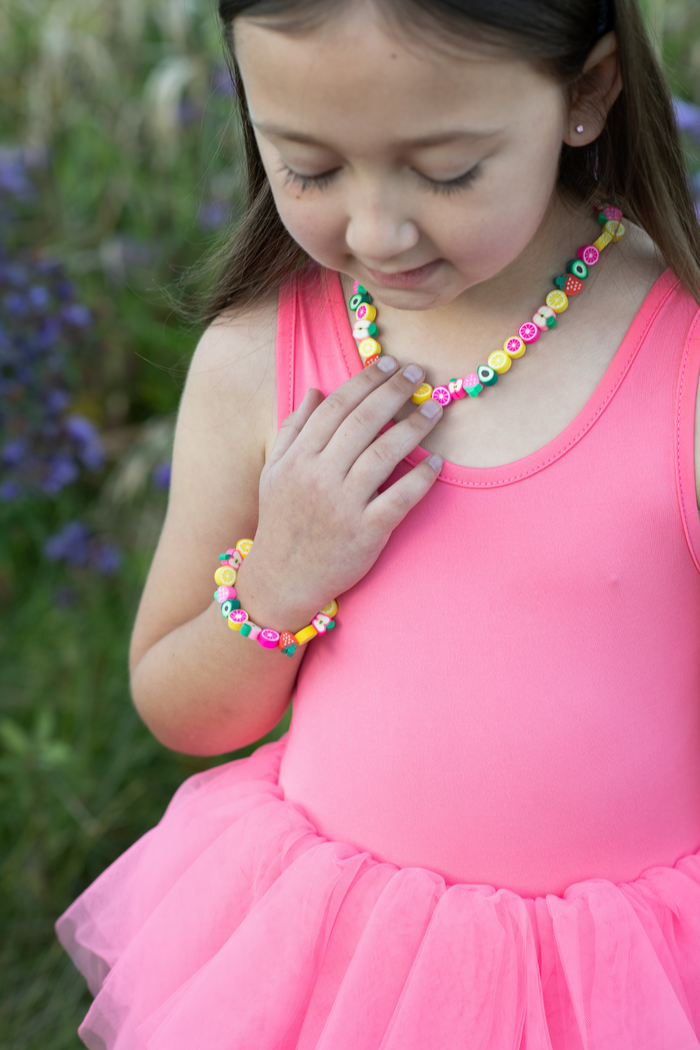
579 128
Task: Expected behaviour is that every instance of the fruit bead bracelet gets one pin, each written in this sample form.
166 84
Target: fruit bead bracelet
570 283
238 619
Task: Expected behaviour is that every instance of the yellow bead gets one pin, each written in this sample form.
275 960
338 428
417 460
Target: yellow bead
331 609
366 312
557 301
306 634
604 239
422 394
225 576
500 361
615 229
245 547
369 347
514 346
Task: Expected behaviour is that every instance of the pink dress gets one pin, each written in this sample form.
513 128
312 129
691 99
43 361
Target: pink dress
483 827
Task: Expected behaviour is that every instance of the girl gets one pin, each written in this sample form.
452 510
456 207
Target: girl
483 827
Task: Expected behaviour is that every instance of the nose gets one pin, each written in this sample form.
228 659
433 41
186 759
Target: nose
377 231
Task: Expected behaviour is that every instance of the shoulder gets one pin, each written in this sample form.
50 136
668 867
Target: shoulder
232 377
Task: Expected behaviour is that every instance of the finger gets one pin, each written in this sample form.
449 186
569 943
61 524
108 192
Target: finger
359 431
391 506
338 405
380 459
294 423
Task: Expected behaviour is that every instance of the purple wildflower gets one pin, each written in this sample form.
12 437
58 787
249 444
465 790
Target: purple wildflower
75 545
688 118
214 214
56 401
13 452
161 476
77 315
106 558
38 297
222 81
9 491
62 471
69 544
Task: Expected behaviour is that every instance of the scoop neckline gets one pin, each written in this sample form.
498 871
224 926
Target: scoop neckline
518 469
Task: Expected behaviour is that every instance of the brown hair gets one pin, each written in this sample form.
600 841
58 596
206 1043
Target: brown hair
637 158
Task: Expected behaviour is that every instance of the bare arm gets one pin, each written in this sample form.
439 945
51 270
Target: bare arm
308 495
199 687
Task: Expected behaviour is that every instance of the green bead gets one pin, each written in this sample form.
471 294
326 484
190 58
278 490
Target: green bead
235 603
372 330
330 626
224 557
552 322
245 629
361 290
601 218
487 375
358 299
560 281
578 268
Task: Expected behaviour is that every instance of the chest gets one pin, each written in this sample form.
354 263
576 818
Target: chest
543 391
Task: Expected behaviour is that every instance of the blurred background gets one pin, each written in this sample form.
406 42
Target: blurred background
118 172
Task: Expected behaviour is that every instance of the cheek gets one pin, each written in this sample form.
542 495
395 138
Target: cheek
313 222
498 222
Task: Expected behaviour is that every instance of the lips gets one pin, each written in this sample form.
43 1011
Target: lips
405 278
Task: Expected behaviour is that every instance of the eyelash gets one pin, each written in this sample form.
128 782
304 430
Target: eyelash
306 182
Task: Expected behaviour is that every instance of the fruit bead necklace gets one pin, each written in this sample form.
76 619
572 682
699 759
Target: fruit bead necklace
570 283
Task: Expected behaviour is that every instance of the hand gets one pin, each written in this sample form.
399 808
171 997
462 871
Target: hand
322 524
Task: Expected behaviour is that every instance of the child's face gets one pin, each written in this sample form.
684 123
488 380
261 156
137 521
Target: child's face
404 158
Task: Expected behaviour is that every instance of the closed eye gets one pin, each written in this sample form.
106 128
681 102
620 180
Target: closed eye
451 185
306 182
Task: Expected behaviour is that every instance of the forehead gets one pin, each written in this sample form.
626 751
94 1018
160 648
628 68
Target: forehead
351 73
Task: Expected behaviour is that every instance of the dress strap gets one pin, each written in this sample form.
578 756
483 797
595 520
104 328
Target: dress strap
685 438
312 337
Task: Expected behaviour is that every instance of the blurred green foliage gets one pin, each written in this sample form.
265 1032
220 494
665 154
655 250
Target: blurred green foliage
123 113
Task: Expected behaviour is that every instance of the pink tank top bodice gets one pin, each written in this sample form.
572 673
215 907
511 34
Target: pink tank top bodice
512 696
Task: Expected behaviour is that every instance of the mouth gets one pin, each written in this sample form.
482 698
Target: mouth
405 278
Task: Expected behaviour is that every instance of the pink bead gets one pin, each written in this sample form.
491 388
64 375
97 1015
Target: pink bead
254 632
361 311
529 332
320 622
442 395
238 616
235 559
612 214
589 253
268 638
225 594
355 286
456 388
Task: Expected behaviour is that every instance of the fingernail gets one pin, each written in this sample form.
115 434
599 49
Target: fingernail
429 409
436 463
386 363
413 373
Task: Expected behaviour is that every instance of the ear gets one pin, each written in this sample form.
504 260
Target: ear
594 92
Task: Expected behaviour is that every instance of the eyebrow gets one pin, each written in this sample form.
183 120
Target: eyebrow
439 139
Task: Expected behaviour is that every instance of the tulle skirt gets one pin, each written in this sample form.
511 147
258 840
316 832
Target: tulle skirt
233 924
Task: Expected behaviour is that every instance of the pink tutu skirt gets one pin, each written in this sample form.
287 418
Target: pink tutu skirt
234 925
